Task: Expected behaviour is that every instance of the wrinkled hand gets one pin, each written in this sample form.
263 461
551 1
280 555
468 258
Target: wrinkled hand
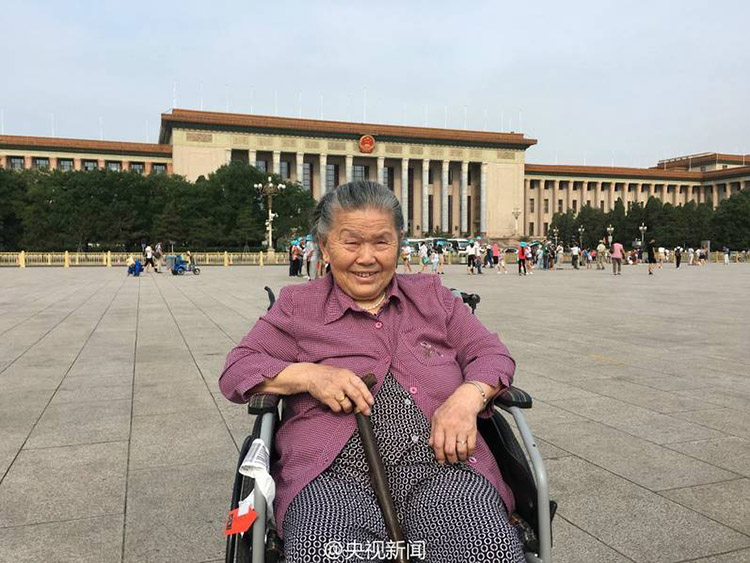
340 389
454 426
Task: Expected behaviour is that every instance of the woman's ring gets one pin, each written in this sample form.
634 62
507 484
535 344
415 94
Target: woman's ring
341 399
462 443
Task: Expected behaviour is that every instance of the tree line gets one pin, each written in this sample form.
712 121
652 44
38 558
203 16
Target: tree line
669 225
51 210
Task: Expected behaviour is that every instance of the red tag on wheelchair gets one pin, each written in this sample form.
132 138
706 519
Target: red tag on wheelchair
238 523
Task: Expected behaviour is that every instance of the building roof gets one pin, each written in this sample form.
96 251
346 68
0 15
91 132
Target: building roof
690 161
19 142
293 126
657 174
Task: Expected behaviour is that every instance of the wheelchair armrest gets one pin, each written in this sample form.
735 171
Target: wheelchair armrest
262 403
513 397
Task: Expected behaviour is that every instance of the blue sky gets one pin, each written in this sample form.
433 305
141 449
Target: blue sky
595 82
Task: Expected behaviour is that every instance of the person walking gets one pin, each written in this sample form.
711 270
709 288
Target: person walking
149 253
501 262
601 250
441 258
575 252
522 259
423 256
616 254
677 256
406 251
651 253
725 250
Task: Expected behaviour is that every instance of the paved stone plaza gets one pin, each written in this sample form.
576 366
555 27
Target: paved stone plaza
116 445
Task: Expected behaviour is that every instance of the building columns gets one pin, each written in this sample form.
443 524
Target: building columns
381 170
715 196
405 191
555 197
425 195
349 167
483 199
526 207
444 197
277 163
300 167
323 163
464 196
540 208
252 157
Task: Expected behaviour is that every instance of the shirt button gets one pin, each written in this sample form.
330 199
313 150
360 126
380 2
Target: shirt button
472 460
413 390
378 325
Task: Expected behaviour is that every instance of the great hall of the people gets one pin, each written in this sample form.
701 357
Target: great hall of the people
446 179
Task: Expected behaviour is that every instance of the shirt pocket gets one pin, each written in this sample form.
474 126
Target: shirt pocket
426 349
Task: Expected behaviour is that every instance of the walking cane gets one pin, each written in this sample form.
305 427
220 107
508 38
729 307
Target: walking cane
379 480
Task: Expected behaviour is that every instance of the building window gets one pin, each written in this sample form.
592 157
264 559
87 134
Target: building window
388 177
360 173
575 206
531 205
65 164
239 155
429 178
468 176
531 229
285 170
137 167
17 163
601 205
114 166
261 165
40 162
158 168
588 202
559 206
90 165
546 229
468 214
450 174
307 176
332 176
410 197
546 205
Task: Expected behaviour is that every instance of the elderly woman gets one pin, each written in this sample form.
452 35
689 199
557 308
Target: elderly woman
436 366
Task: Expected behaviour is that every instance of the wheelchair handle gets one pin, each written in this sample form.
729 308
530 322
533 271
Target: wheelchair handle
378 478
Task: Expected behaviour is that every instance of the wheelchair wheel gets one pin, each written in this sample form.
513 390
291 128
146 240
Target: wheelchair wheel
196 271
181 272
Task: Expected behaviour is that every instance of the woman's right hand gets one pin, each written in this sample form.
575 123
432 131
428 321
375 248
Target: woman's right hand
340 389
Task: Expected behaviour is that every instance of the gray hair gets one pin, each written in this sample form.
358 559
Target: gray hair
357 195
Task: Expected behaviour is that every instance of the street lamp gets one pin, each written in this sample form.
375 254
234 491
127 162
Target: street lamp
643 228
581 229
610 230
269 189
555 232
516 214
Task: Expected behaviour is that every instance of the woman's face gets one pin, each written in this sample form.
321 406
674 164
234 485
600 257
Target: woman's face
362 249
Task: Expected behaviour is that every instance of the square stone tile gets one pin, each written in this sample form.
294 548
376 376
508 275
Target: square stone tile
183 437
719 396
730 453
658 401
729 421
728 502
52 484
644 423
178 513
82 423
90 540
740 556
645 463
573 545
639 524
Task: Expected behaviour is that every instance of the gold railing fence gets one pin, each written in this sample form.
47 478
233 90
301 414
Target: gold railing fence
25 259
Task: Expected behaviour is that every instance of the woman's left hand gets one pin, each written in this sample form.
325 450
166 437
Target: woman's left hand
454 425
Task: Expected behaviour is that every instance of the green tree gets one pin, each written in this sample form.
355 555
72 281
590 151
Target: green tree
731 222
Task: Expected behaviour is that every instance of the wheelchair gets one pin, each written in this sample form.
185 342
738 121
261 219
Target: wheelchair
528 481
